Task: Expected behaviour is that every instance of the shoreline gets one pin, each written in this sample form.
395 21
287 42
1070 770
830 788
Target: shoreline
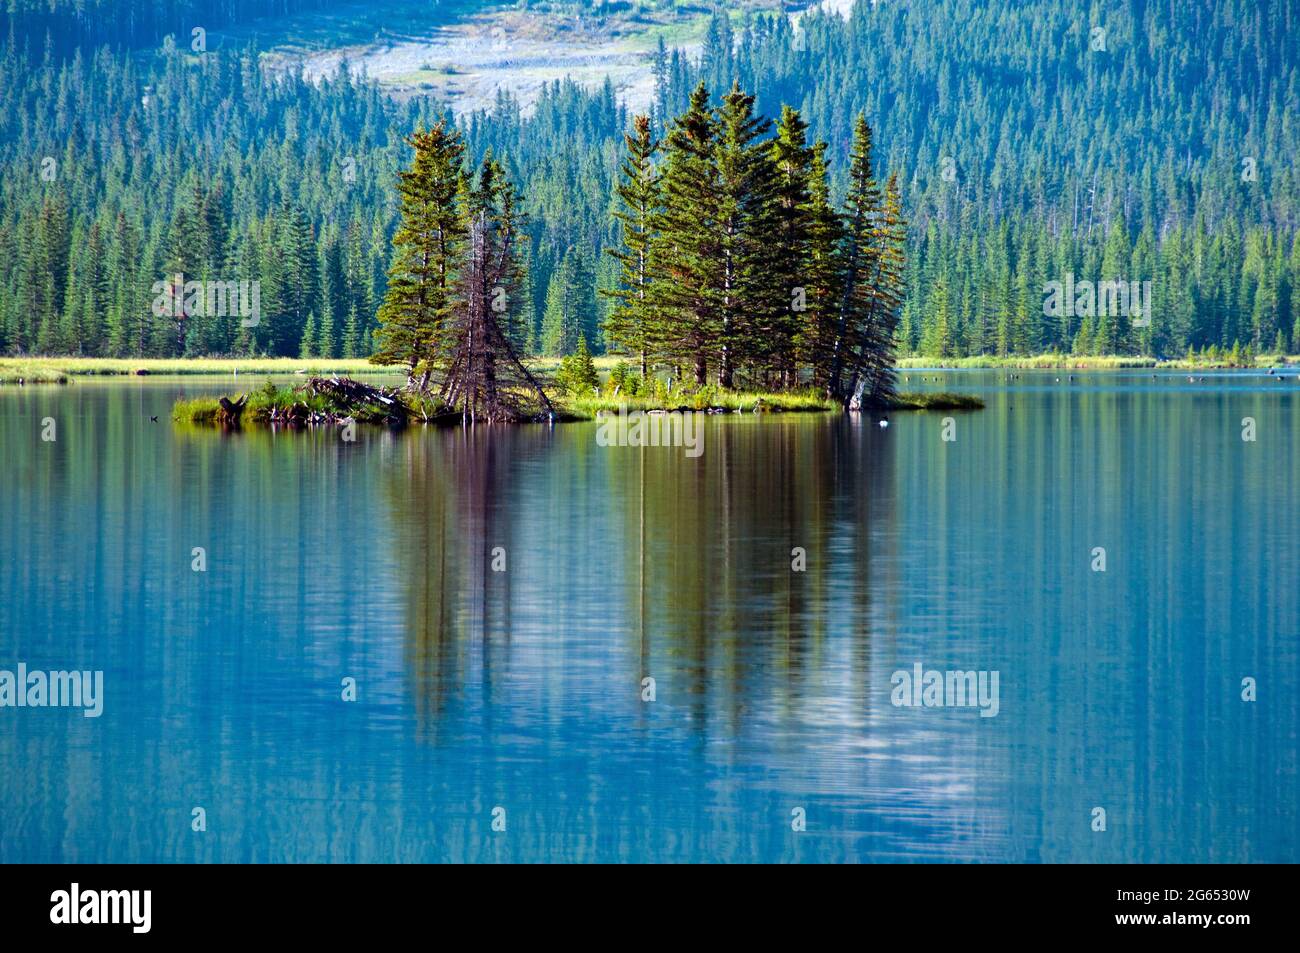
62 370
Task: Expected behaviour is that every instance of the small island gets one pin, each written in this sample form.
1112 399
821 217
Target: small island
339 400
741 288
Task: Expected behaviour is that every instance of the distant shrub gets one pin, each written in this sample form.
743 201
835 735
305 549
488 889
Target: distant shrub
623 380
577 373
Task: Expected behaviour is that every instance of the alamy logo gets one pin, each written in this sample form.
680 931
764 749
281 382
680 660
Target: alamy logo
638 428
921 688
25 689
102 907
1086 299
177 298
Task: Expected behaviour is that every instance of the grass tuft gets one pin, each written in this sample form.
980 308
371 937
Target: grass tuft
197 410
587 407
30 372
938 400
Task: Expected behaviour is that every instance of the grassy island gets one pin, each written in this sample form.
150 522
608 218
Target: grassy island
321 401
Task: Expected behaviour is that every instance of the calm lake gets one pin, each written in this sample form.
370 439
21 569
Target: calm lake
772 706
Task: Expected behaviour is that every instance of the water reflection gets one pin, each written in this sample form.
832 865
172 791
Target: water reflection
523 689
451 505
698 557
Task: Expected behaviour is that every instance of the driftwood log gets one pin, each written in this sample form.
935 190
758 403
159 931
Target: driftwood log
295 415
231 411
344 399
353 398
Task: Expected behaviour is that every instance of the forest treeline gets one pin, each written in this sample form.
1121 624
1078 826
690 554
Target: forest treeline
1029 148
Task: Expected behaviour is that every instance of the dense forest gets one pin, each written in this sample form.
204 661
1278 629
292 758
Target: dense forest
1033 144
69 24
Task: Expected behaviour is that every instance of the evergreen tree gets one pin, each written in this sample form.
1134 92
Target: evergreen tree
577 373
852 328
745 219
789 247
630 323
872 368
419 301
687 301
1112 336
308 346
826 263
937 338
871 275
570 305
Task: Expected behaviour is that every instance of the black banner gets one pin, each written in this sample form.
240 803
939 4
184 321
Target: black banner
139 904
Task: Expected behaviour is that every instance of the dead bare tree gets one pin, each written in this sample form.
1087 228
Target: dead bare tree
485 379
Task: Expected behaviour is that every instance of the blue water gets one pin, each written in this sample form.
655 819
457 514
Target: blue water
522 690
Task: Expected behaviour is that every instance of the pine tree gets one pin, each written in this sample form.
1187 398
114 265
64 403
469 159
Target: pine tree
630 323
1113 327
872 272
686 302
427 244
334 296
527 339
360 297
659 69
308 347
577 372
352 346
570 311
937 339
302 278
746 189
1027 305
826 264
1293 283
1148 337
873 367
789 249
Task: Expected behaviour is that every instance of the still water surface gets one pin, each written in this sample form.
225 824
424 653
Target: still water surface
523 689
